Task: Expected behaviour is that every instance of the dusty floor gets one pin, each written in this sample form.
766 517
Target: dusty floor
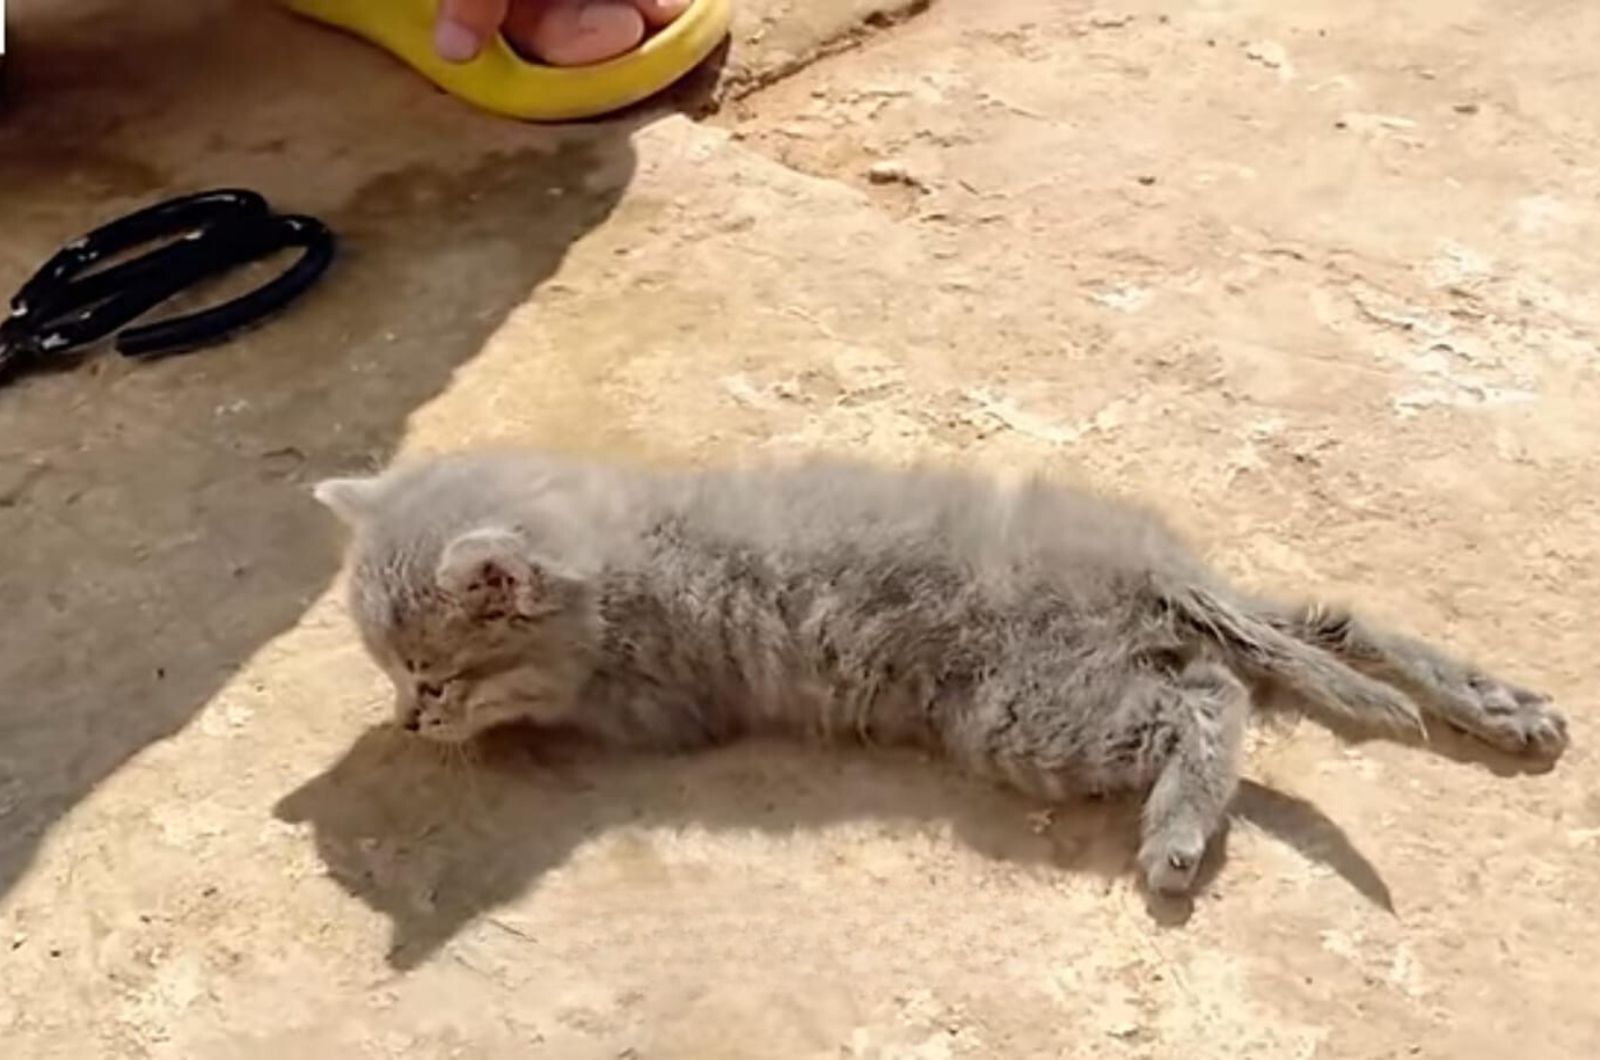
1317 276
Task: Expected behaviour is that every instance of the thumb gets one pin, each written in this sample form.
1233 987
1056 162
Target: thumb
465 26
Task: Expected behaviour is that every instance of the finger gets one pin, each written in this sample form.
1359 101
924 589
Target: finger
465 26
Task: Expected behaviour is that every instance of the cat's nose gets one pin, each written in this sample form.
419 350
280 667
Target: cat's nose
412 723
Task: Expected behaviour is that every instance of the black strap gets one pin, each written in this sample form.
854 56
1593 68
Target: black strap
189 332
59 309
51 290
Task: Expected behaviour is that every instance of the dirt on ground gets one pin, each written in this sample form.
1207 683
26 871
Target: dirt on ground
1315 278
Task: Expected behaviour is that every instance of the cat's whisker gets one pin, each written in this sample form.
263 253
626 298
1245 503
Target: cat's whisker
465 756
434 753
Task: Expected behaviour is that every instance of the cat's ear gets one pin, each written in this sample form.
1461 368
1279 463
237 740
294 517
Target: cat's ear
348 498
492 573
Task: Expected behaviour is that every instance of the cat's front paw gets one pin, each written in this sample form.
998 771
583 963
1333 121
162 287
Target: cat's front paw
1514 719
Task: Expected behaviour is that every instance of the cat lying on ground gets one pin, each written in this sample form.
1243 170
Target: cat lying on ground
1052 640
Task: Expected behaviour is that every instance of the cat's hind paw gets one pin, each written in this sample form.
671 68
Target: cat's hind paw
1513 719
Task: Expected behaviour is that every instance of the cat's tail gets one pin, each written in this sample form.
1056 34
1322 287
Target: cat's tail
1327 685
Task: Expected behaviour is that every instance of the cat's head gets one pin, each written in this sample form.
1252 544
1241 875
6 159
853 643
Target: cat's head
475 625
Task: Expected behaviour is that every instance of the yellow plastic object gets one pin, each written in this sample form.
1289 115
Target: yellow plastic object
501 81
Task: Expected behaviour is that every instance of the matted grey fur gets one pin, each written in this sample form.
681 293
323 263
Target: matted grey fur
1050 639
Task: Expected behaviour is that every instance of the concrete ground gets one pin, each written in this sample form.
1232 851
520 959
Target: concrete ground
1316 277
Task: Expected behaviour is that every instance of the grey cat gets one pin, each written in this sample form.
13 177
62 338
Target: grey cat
1047 638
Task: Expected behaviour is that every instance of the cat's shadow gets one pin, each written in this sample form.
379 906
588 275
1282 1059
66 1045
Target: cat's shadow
432 840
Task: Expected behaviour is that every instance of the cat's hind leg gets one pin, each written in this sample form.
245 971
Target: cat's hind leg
1205 709
1499 713
1174 735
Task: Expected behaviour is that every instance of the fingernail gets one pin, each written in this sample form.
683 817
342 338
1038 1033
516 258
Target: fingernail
454 42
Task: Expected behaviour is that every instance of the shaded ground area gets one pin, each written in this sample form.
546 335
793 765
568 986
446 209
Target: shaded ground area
1313 277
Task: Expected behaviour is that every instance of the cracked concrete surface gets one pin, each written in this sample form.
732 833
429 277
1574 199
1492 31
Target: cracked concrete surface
1313 277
